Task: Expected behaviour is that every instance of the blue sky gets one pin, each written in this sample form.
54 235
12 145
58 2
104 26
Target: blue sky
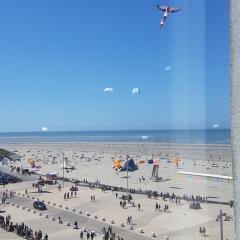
56 57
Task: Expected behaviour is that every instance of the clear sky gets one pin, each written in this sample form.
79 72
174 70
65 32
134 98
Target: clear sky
56 58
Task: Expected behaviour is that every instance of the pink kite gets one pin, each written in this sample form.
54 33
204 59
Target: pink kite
166 10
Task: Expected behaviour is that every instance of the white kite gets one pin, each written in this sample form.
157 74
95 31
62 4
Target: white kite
44 129
135 91
216 126
108 90
168 68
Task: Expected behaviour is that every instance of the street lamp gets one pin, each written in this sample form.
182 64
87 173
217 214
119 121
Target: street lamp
63 169
221 224
127 171
221 221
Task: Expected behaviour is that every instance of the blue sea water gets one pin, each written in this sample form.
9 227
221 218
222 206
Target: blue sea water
209 136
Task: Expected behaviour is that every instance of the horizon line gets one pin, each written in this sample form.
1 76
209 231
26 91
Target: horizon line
116 130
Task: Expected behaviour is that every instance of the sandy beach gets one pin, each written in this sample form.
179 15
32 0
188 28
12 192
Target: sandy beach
94 163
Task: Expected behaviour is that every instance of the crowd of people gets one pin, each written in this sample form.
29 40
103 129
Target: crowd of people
108 234
68 195
89 235
5 195
21 230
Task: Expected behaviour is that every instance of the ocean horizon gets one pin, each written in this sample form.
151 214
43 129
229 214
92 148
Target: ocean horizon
206 136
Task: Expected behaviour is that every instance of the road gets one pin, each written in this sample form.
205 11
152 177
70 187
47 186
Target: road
83 221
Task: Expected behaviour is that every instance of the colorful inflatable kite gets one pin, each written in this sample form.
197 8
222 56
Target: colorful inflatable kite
166 10
33 163
117 164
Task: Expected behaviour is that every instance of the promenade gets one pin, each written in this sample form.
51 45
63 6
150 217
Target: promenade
180 222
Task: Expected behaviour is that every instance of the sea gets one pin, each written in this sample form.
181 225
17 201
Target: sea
208 136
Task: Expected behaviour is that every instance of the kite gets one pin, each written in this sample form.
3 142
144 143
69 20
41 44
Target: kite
44 129
117 164
135 91
168 68
33 163
166 10
108 90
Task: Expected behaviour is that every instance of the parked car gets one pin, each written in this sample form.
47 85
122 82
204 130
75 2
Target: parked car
50 182
40 183
74 188
4 180
39 205
1 219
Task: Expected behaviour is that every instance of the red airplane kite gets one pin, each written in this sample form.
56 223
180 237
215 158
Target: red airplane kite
166 10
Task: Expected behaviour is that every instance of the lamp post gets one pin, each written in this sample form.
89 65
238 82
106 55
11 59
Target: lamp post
127 172
63 170
221 224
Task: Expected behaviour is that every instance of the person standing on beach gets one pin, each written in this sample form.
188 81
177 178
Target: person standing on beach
139 207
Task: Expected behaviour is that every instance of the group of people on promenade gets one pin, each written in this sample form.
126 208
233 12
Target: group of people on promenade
68 195
149 193
158 207
89 235
21 230
6 195
108 234
202 231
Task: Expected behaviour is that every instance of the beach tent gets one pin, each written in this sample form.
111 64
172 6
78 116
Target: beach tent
117 164
130 165
150 161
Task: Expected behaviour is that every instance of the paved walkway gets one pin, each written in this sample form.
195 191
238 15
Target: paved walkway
4 235
83 221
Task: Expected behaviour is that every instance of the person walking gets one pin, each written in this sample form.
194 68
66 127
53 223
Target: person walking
204 231
81 234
